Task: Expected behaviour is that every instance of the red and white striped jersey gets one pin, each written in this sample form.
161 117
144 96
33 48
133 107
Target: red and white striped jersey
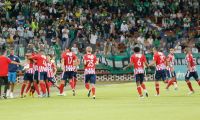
29 67
50 69
160 60
170 60
69 58
138 60
190 60
41 62
90 63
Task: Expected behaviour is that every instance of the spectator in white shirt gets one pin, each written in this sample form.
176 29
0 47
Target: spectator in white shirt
65 38
20 30
124 27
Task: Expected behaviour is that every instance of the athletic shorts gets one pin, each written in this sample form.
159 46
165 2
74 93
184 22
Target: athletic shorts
12 77
90 78
160 75
139 78
42 76
35 75
170 74
191 74
75 74
51 79
28 76
3 80
67 75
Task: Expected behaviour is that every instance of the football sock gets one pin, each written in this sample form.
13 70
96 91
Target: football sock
93 90
28 87
87 86
157 88
190 85
61 88
198 81
36 88
23 87
139 89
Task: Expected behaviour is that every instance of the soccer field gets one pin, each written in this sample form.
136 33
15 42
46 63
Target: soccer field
113 102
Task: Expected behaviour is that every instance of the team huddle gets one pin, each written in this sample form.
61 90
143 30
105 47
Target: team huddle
40 71
164 69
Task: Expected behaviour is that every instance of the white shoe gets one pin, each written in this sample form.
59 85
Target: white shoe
61 94
191 92
157 95
8 93
141 97
11 95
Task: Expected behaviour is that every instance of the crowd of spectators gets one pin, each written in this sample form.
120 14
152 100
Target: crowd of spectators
111 27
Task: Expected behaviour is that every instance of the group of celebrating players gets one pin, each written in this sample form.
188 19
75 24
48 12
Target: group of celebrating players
164 69
40 71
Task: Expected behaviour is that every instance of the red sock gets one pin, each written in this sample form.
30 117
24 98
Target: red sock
143 86
198 81
36 88
28 87
93 90
157 88
22 89
75 80
166 81
170 83
189 85
61 88
87 86
43 87
47 86
71 82
139 89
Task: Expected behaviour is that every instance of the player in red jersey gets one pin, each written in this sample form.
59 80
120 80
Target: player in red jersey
51 72
68 66
159 59
28 75
191 72
171 75
139 62
4 62
41 61
90 62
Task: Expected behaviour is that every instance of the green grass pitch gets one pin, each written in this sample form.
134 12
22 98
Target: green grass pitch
113 102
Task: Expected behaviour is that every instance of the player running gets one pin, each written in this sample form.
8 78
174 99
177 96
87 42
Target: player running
171 75
90 62
139 62
191 72
68 65
51 72
28 75
41 61
159 59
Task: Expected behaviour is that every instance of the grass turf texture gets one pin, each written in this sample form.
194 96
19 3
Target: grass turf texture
113 102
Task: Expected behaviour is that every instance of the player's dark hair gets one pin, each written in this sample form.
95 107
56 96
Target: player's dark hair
136 49
2 50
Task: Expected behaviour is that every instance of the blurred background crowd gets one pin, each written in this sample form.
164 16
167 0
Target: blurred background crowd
111 27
